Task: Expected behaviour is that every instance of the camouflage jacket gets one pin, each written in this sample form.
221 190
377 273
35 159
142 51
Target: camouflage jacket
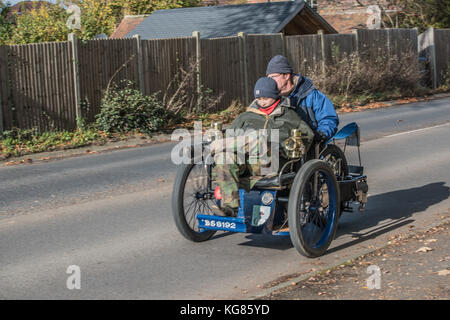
284 118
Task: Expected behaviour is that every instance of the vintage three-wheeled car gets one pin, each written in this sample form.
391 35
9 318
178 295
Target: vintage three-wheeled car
304 200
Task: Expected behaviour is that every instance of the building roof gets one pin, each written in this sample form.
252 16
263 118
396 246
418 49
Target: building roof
26 6
227 20
127 24
29 5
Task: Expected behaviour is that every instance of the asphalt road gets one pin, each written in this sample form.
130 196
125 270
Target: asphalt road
110 215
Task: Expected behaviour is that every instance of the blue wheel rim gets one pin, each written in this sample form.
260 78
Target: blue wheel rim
317 226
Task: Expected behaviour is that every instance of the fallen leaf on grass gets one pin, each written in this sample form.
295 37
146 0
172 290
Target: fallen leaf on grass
346 109
424 249
444 272
408 100
11 163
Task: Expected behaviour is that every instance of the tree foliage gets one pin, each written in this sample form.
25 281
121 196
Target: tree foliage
6 26
148 6
49 22
97 17
421 14
44 24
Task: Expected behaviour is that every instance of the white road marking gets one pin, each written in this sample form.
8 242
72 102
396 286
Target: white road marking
406 132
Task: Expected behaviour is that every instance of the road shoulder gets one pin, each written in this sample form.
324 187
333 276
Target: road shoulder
416 266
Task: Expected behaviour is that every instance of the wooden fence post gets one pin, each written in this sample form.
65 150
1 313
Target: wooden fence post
140 65
388 42
433 60
427 49
243 63
355 33
198 53
322 45
1 114
283 44
416 36
76 78
5 52
1 103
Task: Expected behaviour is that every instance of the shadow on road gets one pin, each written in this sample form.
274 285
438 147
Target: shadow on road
388 211
385 212
268 242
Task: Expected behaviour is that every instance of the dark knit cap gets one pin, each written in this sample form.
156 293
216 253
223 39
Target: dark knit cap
278 64
266 87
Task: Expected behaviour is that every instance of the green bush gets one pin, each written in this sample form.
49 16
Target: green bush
125 109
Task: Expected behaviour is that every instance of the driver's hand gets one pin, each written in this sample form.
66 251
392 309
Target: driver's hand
319 136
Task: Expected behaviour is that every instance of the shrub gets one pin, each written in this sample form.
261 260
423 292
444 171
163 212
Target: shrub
125 109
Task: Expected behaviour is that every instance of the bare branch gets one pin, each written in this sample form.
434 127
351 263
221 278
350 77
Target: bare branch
118 70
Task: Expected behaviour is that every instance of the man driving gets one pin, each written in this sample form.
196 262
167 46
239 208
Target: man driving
311 105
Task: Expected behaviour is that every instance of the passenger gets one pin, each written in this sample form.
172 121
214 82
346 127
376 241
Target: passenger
269 111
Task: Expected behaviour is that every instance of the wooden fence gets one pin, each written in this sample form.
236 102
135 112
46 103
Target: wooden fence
434 46
36 86
100 63
41 86
221 68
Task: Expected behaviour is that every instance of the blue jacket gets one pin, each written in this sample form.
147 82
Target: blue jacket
314 107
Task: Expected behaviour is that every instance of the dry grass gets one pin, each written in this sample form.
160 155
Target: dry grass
352 79
181 96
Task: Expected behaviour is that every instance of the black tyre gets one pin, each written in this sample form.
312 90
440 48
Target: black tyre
338 163
191 196
313 208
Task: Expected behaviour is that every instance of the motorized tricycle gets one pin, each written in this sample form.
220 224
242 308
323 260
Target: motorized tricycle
303 201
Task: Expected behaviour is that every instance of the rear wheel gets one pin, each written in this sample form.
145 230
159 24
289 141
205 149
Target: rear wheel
313 209
338 163
336 158
192 196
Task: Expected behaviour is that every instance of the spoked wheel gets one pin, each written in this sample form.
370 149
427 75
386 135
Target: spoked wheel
192 196
338 163
313 209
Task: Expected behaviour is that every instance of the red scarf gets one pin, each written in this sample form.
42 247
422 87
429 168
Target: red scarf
270 109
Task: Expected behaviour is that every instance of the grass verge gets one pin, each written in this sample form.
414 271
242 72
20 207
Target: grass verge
16 143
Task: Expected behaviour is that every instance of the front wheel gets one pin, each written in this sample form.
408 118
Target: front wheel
192 196
313 209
